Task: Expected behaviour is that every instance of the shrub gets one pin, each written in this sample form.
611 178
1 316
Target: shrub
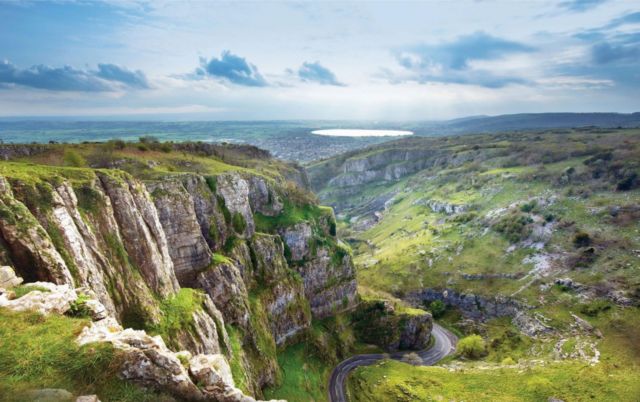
79 307
166 147
529 206
238 222
73 159
437 308
594 308
472 347
627 183
581 239
148 139
118 144
514 227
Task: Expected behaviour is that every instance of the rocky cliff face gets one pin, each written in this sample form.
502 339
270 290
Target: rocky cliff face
134 245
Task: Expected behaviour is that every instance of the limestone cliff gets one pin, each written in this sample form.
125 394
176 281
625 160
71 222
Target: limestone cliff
263 255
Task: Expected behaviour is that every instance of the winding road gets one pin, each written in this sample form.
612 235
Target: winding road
445 344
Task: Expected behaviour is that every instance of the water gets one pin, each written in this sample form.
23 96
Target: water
361 133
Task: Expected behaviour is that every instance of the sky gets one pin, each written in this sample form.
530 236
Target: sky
209 60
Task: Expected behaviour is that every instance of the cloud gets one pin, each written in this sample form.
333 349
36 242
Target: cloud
133 79
632 18
580 5
108 78
453 61
315 72
456 55
605 53
232 68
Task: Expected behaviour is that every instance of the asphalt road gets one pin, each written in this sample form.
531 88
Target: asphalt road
445 344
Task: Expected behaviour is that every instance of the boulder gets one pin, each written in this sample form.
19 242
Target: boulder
45 298
8 278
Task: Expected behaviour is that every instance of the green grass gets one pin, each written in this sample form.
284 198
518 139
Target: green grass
290 215
177 313
22 290
41 352
571 381
305 376
237 370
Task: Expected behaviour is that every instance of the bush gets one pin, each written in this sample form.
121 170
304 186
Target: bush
627 183
472 347
73 159
437 308
514 227
581 239
238 222
148 139
594 308
529 206
118 144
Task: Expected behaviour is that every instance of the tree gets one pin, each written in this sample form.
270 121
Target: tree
472 347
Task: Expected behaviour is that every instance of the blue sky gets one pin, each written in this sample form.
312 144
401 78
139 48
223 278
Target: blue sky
317 60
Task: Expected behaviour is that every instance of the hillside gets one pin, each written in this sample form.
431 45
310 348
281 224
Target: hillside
529 240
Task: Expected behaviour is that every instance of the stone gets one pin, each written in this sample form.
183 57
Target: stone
142 233
96 309
88 398
46 298
34 256
210 370
8 278
298 239
235 191
416 331
49 395
187 246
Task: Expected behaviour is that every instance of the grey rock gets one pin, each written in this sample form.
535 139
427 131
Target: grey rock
298 239
235 192
49 395
188 248
142 233
8 278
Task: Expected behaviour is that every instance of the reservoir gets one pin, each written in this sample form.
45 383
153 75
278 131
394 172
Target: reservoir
347 132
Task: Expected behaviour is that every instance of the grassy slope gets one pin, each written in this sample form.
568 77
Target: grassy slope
572 381
41 352
413 247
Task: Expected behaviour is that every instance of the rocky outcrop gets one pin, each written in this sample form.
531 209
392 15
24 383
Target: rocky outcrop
31 249
207 209
297 238
263 198
329 282
284 300
80 244
378 322
415 331
189 250
235 192
147 361
223 283
8 278
142 233
473 306
441 206
45 298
